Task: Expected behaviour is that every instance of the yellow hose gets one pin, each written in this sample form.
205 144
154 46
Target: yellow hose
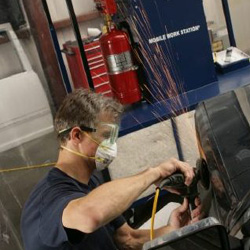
27 167
157 192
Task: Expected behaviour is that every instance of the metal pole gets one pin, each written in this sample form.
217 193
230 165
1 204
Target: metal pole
80 43
57 48
177 139
226 11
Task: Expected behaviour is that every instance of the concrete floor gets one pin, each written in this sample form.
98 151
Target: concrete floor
136 151
16 186
151 146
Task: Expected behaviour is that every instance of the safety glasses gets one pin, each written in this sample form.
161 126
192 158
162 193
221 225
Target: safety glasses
82 127
106 131
103 131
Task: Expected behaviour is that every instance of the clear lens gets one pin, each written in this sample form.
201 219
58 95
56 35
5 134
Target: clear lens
106 131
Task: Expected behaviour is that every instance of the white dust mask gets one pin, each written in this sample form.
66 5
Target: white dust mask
105 154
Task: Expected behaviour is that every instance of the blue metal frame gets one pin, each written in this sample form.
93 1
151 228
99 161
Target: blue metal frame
177 139
57 48
80 43
228 22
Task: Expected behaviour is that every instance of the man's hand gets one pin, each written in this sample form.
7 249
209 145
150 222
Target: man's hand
128 238
181 217
168 168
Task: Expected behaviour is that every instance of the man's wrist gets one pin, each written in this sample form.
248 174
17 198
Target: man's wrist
164 230
172 227
155 174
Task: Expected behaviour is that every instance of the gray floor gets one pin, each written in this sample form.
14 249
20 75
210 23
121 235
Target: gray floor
16 186
153 145
136 151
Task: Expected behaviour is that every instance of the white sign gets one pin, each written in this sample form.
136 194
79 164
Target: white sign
174 34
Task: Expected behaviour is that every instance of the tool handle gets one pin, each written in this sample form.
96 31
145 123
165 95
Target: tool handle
174 181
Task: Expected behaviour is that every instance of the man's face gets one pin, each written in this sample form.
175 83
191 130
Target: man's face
106 129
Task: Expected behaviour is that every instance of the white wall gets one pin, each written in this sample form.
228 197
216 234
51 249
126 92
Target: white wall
239 10
7 57
214 12
32 54
240 14
59 11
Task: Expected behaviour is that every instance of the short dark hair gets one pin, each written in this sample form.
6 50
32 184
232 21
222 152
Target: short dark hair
82 108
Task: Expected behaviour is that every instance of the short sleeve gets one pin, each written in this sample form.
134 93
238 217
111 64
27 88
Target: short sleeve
118 222
51 230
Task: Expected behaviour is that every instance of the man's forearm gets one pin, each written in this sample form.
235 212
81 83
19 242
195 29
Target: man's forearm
142 236
113 198
134 239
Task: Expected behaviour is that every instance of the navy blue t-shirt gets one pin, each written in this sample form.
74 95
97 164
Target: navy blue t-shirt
41 222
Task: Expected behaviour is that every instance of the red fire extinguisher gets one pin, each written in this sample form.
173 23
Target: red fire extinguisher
122 72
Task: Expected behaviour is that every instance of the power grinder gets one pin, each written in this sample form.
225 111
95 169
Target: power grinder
177 182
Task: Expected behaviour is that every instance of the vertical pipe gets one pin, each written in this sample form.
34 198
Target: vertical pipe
80 43
177 139
57 48
226 11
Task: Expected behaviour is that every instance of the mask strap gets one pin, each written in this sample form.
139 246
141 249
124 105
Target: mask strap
99 144
91 138
82 155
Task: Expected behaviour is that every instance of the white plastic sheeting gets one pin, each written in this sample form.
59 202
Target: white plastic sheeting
24 109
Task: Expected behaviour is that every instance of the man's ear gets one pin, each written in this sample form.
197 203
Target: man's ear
76 135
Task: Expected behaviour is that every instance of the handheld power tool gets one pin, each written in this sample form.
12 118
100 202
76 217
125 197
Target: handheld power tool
177 182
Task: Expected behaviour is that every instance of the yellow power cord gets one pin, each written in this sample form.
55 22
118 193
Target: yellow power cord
27 167
157 192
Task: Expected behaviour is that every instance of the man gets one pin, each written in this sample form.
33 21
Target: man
69 209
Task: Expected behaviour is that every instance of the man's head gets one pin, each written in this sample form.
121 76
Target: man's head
85 119
87 109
